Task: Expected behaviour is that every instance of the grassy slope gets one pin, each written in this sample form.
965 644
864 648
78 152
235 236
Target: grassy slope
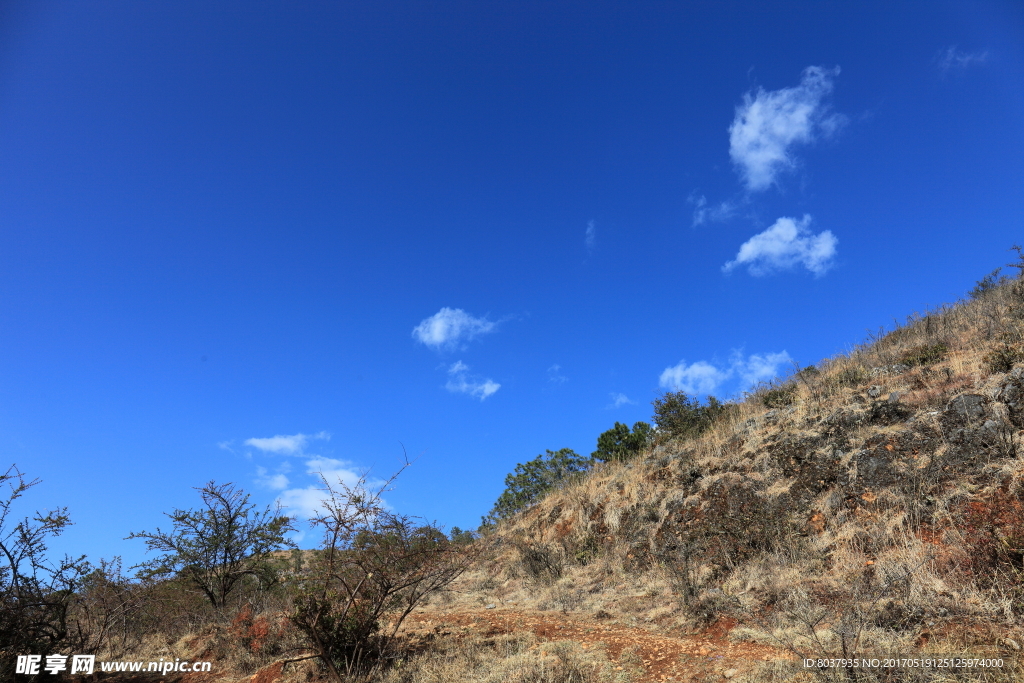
877 513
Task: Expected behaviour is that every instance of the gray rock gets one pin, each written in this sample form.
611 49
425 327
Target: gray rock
491 606
1011 392
889 370
875 391
894 397
967 407
875 468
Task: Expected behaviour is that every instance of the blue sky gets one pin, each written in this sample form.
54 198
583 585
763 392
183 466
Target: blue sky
249 241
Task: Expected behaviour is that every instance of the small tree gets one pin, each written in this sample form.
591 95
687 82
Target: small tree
375 566
215 547
682 416
532 480
36 595
619 443
987 284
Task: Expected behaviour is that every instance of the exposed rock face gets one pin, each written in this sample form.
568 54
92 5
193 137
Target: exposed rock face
966 408
1011 392
889 370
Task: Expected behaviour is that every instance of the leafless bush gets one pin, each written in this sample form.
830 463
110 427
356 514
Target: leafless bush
375 566
541 561
106 609
36 595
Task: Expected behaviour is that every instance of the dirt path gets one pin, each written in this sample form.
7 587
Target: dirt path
706 657
703 658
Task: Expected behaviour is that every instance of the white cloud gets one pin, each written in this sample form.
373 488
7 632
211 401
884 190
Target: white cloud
285 445
786 244
702 213
769 122
555 375
308 502
460 382
703 378
759 368
591 236
952 59
449 326
699 378
620 399
271 481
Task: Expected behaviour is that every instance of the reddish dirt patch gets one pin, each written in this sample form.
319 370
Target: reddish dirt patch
665 658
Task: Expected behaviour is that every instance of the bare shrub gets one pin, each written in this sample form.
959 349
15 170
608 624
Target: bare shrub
540 561
779 397
567 597
37 596
924 354
374 568
107 608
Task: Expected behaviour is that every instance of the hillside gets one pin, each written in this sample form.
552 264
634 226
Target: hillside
874 509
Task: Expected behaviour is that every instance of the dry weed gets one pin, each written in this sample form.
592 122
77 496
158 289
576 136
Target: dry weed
514 658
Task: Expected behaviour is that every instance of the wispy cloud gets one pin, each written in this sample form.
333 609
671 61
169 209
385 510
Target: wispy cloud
760 368
953 60
447 328
590 238
277 481
286 445
461 382
702 377
786 244
705 213
770 122
555 375
307 502
619 399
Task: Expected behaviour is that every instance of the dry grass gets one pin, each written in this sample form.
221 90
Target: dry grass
514 658
836 541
